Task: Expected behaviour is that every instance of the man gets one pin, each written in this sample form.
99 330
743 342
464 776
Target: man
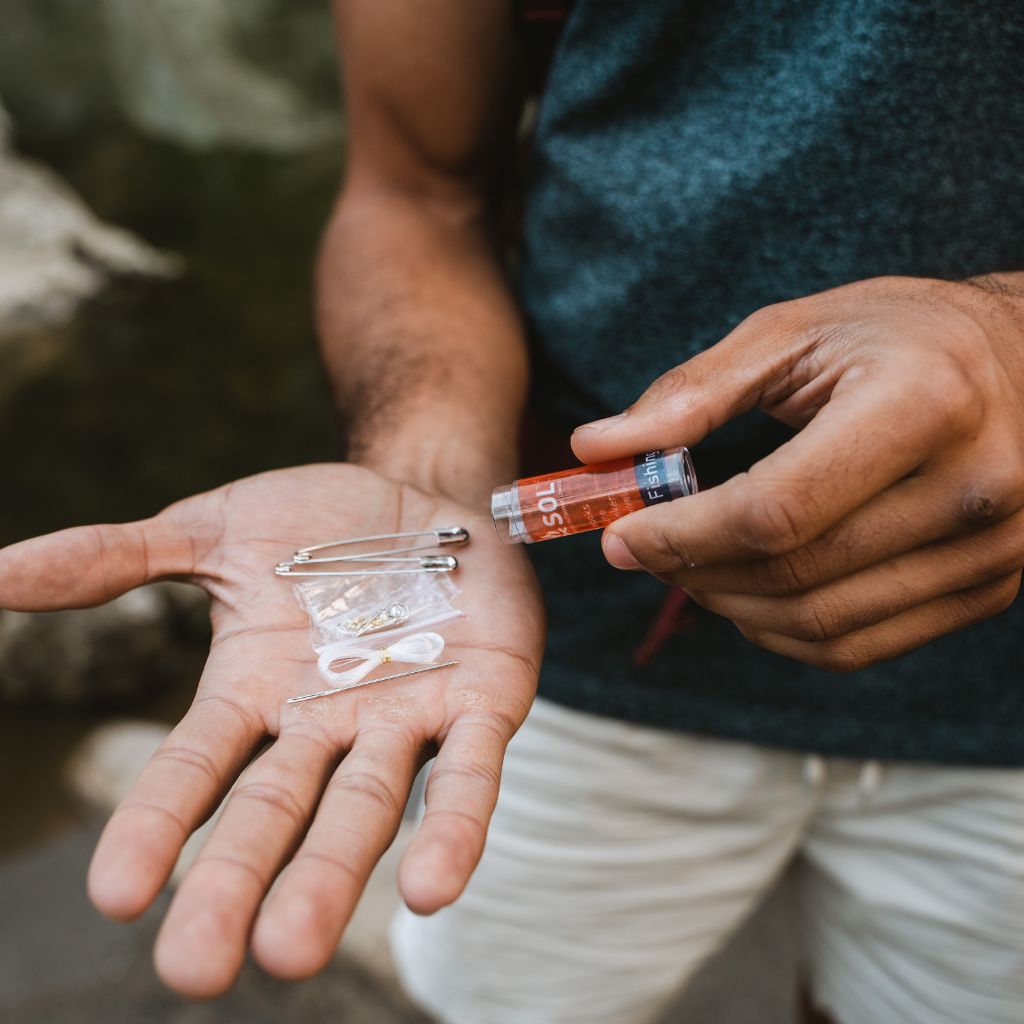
835 190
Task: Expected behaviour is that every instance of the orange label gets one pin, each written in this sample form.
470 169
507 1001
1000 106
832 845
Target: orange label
586 498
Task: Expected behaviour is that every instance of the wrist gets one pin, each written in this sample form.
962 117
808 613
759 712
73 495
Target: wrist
1008 285
440 459
1000 298
997 305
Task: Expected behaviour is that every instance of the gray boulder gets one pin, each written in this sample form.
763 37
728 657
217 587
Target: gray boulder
54 255
54 252
149 638
202 73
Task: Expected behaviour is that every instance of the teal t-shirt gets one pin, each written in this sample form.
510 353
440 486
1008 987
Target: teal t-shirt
696 160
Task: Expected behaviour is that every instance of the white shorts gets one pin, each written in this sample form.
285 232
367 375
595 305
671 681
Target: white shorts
622 857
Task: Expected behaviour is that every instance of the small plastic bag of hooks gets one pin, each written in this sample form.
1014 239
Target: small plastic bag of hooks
343 610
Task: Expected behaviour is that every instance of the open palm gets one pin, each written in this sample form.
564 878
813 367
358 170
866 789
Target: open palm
324 799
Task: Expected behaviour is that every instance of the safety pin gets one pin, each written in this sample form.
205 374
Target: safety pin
369 556
421 560
369 682
442 535
374 556
426 563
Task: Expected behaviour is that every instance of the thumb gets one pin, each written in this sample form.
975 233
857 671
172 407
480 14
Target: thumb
88 565
689 401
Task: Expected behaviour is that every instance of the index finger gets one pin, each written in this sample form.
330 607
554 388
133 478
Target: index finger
864 439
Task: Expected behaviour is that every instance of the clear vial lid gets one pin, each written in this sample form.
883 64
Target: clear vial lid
505 514
682 476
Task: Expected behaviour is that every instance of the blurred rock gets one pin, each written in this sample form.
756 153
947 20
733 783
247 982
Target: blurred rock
53 252
202 73
104 766
148 639
180 75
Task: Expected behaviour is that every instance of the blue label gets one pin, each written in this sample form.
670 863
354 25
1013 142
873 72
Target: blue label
652 477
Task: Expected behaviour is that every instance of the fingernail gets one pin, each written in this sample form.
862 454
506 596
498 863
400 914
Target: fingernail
602 425
617 553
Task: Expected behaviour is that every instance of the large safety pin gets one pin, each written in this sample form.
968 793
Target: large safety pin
442 535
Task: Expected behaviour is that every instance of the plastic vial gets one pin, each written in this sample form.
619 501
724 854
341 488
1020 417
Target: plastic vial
589 497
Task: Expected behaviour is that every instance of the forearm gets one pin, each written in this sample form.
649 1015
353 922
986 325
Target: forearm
422 340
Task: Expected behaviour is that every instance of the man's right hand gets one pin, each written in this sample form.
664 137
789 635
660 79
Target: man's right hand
316 809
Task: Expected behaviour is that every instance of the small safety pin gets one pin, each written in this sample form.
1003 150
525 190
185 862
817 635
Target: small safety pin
425 563
369 556
442 535
369 682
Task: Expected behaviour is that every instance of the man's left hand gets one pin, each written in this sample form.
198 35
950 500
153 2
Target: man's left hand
895 514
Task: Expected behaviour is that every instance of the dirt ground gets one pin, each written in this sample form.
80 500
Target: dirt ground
61 963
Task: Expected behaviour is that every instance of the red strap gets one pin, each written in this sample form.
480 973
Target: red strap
545 10
676 616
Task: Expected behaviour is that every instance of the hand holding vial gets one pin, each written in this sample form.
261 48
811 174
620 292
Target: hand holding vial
908 469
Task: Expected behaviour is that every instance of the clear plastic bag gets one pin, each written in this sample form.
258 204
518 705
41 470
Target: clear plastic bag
346 610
